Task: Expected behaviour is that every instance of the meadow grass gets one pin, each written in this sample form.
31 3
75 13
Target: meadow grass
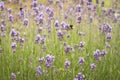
19 62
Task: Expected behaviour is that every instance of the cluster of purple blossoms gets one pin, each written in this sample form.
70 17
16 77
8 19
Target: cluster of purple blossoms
10 18
108 37
82 44
78 8
67 49
9 10
2 28
21 40
25 22
14 34
93 66
13 76
57 24
106 28
34 4
41 60
3 22
50 1
81 60
2 5
21 13
98 54
67 64
49 60
13 45
38 71
39 39
79 19
60 34
80 76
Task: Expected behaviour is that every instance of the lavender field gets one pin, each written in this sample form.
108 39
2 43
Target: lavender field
59 39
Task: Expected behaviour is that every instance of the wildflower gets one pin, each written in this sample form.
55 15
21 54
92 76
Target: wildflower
79 19
81 60
93 66
41 60
67 49
2 28
37 40
103 53
10 18
80 76
50 1
60 34
97 54
49 60
38 71
109 37
82 44
25 22
9 10
13 76
67 64
78 8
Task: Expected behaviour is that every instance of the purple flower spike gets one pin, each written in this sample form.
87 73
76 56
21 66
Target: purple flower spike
93 66
25 22
14 45
67 64
38 71
41 60
81 60
68 49
109 37
82 44
80 76
13 76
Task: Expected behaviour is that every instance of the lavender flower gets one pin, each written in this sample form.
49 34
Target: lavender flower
25 22
42 41
82 44
102 3
81 60
80 76
2 28
37 40
109 37
79 19
56 23
93 66
2 5
50 1
3 22
67 64
38 71
97 54
34 3
60 34
14 45
49 60
103 53
68 49
10 18
78 8
41 60
13 76
9 10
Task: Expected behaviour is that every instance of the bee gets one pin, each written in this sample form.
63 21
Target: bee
21 9
71 26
